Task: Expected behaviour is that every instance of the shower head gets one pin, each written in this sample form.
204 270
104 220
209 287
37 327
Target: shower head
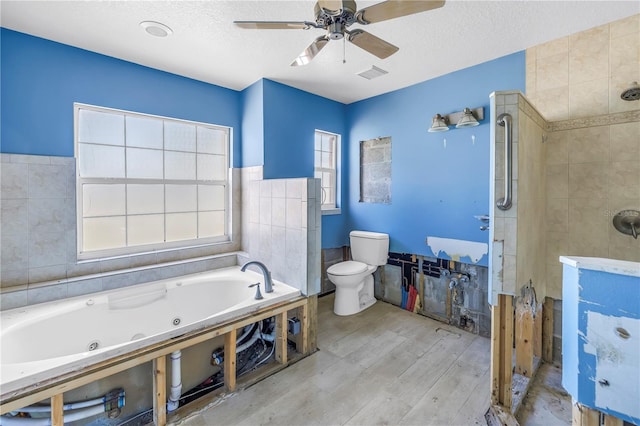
632 93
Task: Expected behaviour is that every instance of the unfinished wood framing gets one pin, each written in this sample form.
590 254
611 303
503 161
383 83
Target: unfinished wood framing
230 360
524 334
281 338
160 390
585 416
502 351
57 410
54 388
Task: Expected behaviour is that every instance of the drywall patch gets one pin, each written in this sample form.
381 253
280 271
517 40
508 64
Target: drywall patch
457 249
614 342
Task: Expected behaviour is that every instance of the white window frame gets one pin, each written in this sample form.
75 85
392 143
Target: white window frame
148 248
333 172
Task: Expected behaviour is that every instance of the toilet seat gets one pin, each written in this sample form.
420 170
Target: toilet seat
350 267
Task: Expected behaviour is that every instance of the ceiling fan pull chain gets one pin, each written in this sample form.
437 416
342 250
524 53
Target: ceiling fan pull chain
344 50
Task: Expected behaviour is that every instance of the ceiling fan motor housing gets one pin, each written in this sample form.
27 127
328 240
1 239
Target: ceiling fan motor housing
344 16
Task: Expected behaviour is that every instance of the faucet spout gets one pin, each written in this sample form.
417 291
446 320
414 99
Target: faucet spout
268 284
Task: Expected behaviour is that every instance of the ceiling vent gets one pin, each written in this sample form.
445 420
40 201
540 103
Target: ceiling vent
372 73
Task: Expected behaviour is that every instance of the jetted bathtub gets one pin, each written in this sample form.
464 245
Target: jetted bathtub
43 341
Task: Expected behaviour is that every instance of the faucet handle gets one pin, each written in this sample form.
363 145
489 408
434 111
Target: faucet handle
258 294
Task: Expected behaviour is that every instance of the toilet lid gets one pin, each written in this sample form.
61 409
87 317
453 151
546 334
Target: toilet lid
349 267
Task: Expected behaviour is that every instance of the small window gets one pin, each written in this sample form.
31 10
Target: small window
146 182
326 158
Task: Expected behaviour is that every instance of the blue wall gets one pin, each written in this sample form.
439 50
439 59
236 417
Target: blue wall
291 117
253 125
42 79
435 191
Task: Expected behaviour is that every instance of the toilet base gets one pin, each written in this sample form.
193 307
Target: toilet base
349 301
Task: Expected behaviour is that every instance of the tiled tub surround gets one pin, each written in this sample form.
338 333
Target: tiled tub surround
593 150
282 227
38 239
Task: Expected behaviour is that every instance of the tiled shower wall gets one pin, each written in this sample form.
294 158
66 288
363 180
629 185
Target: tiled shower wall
517 230
282 225
38 239
593 150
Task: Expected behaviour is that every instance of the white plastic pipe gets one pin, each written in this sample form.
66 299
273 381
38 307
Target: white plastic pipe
46 421
65 407
176 382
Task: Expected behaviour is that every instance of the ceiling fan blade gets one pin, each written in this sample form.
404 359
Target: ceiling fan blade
391 9
372 44
311 51
274 25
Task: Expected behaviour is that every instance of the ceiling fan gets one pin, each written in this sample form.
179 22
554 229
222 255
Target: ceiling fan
336 16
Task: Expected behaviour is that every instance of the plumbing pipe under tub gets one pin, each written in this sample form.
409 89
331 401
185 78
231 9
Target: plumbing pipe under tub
176 382
46 421
113 400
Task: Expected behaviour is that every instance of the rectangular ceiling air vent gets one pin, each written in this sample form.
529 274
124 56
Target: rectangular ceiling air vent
372 73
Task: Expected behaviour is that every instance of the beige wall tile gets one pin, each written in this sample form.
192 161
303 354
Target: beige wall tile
553 104
625 57
557 147
554 280
588 180
557 245
632 254
530 71
553 47
557 181
552 72
625 141
589 98
558 215
624 26
589 55
588 227
590 144
624 179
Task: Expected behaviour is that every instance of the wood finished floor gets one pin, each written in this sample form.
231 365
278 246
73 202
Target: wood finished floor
384 366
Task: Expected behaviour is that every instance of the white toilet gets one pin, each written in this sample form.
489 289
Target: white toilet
354 278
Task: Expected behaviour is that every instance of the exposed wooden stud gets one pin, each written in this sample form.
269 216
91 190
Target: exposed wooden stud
312 323
525 305
57 410
584 416
547 330
537 331
502 351
230 360
612 421
160 391
303 339
281 338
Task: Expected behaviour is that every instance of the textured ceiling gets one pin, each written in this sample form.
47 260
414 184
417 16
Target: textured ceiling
206 46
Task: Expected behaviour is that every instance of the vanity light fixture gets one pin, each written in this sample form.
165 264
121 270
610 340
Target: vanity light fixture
439 124
465 118
156 29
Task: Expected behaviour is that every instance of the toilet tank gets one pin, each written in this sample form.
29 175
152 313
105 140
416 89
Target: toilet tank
371 248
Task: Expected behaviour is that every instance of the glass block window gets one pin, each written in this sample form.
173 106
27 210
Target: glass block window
327 147
148 182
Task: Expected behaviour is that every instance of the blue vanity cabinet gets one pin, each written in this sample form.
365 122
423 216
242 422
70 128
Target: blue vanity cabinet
601 334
